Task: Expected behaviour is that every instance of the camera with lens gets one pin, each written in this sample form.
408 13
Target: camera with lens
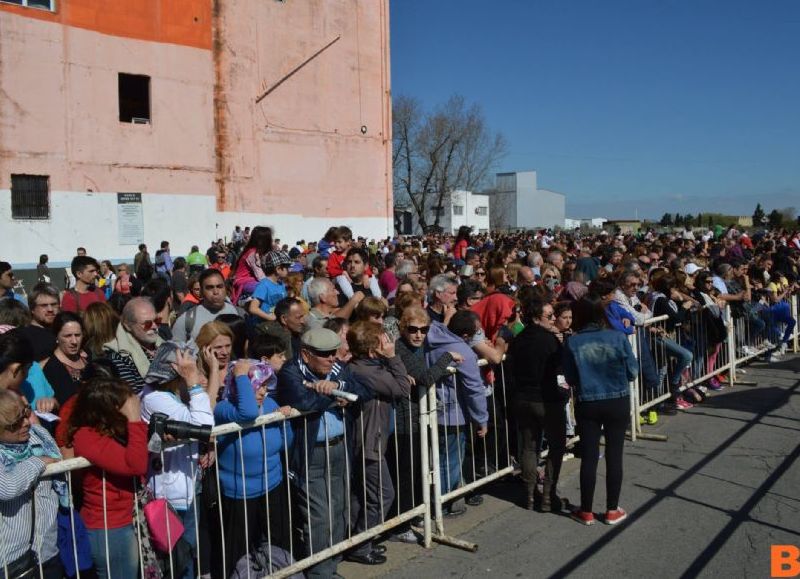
161 426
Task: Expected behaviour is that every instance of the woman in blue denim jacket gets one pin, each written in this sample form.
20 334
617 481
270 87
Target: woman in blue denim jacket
599 363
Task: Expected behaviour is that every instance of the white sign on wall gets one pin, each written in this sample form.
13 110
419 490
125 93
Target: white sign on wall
130 218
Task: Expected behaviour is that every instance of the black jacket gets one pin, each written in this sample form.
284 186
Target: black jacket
535 361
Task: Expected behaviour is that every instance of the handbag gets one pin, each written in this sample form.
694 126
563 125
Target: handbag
27 565
151 569
164 524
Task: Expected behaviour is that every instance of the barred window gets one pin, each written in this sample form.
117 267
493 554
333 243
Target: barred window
482 210
30 197
458 210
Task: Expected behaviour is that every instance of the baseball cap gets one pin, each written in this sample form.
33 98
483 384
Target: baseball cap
691 268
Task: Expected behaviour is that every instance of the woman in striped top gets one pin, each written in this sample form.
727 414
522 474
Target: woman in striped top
29 532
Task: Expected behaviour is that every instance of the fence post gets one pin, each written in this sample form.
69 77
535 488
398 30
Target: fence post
731 345
634 386
425 462
433 475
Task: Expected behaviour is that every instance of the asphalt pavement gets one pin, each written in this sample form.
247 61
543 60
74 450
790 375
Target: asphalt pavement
708 502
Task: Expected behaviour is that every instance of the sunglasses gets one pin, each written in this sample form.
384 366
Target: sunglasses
24 415
148 324
323 353
418 329
480 273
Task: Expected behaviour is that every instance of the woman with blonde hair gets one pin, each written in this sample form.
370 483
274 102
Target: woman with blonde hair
414 326
100 323
29 503
215 342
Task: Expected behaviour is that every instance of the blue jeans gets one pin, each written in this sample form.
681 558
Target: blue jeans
123 552
682 358
780 313
452 446
187 517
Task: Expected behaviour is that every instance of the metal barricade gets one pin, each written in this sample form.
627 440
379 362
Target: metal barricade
319 527
674 359
488 459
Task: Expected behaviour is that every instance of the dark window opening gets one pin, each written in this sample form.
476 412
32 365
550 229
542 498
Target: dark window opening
134 98
30 197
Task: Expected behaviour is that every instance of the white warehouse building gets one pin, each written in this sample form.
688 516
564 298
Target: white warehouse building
518 204
458 208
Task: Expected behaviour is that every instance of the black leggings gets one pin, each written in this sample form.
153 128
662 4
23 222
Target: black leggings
609 417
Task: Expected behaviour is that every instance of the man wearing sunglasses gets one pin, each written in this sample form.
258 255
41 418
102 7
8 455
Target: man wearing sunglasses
135 343
318 458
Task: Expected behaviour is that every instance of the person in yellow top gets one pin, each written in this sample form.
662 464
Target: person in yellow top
779 312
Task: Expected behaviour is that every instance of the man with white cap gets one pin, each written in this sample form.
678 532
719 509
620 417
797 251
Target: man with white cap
318 457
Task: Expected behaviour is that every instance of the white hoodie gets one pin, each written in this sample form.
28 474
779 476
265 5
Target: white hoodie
176 481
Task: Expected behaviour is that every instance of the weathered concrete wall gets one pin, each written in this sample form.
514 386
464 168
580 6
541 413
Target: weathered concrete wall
315 151
318 142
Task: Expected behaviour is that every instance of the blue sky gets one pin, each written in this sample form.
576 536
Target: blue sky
644 105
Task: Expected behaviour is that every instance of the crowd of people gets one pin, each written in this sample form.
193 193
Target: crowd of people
132 364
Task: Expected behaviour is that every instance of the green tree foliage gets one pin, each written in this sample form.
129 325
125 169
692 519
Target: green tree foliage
775 219
758 215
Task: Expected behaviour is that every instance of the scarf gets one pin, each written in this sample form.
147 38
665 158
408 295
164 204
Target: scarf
126 344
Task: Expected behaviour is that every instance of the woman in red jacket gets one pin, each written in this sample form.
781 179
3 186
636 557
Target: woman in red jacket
106 428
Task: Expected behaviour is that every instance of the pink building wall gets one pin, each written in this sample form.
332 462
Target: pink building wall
303 143
297 160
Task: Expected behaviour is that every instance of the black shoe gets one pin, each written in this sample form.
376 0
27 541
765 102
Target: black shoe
455 512
474 500
379 549
556 505
372 558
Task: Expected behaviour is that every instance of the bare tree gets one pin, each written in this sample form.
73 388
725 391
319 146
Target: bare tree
440 151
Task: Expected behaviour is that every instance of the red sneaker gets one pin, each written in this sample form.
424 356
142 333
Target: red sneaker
616 516
683 404
583 518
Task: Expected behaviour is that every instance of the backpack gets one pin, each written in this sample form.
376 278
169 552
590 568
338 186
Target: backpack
191 319
257 564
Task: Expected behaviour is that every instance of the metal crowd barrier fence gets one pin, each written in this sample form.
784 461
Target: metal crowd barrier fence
328 511
718 341
458 454
409 485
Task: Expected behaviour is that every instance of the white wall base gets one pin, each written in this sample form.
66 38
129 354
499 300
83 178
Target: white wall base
90 220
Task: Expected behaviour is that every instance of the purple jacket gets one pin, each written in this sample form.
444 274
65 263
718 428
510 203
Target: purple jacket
461 395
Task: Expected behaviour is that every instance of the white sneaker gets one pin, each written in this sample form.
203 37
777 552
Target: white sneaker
768 344
771 359
783 348
749 351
